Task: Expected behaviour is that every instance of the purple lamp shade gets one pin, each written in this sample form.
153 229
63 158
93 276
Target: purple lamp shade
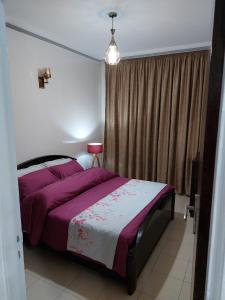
95 148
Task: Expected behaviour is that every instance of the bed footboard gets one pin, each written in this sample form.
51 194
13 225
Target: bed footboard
148 235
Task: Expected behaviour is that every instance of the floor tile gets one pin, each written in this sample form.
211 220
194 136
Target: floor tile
177 234
171 266
160 286
38 261
30 278
113 290
189 225
179 249
184 225
177 229
189 238
185 291
88 285
162 242
188 273
172 248
70 296
62 271
144 296
43 290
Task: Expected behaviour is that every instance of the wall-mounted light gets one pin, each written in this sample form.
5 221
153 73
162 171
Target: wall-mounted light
43 76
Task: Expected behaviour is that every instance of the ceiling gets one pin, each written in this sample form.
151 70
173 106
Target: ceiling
142 27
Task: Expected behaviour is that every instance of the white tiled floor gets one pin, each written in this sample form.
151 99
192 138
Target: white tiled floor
166 276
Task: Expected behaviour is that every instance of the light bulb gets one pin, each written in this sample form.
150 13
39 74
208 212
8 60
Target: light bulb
112 53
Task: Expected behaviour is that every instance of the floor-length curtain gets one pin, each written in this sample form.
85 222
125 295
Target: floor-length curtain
153 116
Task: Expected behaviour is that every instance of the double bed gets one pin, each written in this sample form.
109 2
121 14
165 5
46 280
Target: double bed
104 220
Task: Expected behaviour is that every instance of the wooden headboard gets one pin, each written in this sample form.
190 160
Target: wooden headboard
41 159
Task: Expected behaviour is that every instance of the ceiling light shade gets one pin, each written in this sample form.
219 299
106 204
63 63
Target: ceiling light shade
112 54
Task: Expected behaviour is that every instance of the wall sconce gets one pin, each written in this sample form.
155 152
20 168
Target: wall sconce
43 76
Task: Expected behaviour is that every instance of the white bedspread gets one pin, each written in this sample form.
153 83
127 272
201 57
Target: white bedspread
95 231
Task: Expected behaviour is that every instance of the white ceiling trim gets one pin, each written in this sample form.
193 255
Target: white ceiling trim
138 54
168 50
47 40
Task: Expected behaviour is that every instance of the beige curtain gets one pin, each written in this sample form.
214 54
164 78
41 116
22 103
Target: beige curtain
153 116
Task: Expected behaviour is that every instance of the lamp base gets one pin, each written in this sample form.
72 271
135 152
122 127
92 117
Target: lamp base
95 158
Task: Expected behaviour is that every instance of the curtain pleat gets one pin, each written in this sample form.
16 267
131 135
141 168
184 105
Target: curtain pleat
154 109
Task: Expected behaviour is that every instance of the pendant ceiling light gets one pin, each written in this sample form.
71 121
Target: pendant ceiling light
112 53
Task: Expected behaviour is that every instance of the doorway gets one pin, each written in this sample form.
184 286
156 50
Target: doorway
207 160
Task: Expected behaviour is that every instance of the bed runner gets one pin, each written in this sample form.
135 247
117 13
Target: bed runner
95 231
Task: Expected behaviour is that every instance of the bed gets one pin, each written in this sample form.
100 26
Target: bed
73 210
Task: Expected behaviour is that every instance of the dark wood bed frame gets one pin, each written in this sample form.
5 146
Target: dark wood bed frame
147 237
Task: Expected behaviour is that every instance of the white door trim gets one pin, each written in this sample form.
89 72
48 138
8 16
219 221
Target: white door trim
12 279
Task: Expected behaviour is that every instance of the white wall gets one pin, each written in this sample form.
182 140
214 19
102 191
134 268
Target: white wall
62 118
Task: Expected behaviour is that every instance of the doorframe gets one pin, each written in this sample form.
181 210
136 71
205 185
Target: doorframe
12 279
215 288
208 156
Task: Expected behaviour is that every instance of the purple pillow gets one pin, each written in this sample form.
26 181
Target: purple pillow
64 170
35 181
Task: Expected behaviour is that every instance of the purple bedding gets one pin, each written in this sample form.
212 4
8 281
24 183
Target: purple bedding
47 212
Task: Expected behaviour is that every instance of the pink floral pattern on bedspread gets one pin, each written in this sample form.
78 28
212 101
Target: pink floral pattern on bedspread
95 231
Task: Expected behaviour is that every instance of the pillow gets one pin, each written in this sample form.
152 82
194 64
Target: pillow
30 169
35 181
64 170
56 162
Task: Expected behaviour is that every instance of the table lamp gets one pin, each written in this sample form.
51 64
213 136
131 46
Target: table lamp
95 149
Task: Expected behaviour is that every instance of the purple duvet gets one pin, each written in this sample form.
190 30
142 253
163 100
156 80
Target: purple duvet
46 213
